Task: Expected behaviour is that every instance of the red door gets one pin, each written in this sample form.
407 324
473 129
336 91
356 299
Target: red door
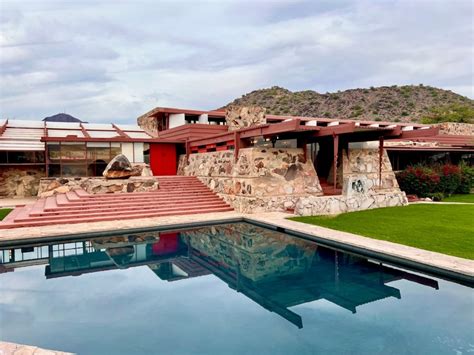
163 158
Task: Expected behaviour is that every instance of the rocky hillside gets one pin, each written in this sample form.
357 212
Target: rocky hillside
394 103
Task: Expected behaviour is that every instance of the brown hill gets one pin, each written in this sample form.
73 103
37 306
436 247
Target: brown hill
395 103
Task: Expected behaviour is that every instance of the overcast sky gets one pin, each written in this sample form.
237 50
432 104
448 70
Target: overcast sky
112 60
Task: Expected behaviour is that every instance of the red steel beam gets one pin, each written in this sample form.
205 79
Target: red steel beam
432 131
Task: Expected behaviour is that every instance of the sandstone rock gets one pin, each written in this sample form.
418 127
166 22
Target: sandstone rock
62 189
119 168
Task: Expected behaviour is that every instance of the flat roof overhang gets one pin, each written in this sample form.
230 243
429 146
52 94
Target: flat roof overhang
352 130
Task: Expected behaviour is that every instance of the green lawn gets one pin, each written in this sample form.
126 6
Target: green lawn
447 229
460 198
4 212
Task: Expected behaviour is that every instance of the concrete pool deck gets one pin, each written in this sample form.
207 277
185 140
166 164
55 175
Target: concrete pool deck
397 252
7 348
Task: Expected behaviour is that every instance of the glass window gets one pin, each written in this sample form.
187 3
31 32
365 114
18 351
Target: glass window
3 157
74 170
116 149
54 152
73 151
54 170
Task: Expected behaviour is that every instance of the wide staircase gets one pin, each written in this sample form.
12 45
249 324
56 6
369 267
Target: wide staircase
177 195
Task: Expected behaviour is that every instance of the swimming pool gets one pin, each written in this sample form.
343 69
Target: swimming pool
225 289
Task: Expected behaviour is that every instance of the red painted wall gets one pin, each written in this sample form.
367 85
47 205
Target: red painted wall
163 158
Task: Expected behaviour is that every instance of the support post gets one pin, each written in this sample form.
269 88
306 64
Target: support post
236 145
335 138
380 160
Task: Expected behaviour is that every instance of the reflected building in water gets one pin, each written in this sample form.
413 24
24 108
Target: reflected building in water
275 270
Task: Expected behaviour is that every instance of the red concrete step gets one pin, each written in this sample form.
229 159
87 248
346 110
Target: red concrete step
122 211
116 206
120 198
147 214
176 196
135 195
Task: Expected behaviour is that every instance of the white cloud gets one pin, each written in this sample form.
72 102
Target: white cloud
112 61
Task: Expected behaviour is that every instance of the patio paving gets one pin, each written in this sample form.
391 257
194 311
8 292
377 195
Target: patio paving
7 348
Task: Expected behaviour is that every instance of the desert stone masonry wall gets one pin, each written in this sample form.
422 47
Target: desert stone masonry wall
20 182
262 179
458 129
265 179
361 189
95 185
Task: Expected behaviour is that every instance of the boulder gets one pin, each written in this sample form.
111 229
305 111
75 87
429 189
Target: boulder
118 168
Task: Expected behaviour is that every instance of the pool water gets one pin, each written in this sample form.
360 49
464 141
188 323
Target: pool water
225 289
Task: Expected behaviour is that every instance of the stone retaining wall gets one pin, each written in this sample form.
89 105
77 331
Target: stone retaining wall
361 188
458 129
265 179
20 181
262 179
95 185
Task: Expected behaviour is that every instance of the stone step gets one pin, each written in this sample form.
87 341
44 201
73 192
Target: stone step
147 214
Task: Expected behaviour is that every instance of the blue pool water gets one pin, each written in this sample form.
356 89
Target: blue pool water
225 289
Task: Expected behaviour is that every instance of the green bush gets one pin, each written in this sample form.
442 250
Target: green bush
467 179
450 113
449 178
418 180
436 181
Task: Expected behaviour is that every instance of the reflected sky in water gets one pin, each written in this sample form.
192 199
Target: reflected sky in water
234 289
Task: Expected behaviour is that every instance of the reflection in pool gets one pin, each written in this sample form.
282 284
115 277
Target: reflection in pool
293 278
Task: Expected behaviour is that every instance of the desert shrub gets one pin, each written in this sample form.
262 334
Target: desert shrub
418 180
450 113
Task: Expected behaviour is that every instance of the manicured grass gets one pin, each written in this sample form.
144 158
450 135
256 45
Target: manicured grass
4 212
447 229
469 198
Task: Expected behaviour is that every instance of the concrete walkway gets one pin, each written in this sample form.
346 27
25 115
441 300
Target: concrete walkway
409 254
19 349
13 202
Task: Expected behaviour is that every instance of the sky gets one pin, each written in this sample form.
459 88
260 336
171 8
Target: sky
113 60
